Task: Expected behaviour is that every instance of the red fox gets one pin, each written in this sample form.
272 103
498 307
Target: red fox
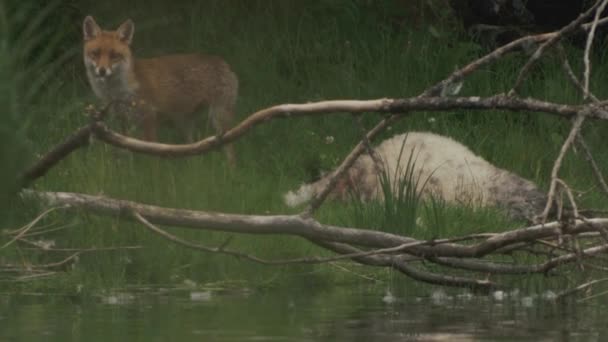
167 88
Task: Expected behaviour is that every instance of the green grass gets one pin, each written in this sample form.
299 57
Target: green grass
282 51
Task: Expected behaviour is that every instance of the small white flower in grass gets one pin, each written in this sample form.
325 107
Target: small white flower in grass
432 120
200 296
439 297
189 283
45 244
498 295
465 295
527 301
388 297
118 298
549 295
329 139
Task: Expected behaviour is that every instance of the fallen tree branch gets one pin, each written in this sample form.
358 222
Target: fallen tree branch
496 102
78 139
309 228
101 131
305 260
402 265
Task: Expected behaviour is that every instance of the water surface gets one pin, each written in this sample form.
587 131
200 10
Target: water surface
339 314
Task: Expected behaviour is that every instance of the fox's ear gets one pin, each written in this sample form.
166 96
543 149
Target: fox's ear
125 31
90 29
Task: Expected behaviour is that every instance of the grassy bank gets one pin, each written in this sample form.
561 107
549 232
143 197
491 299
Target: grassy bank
282 51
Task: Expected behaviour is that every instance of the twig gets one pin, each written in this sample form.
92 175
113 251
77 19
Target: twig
346 164
579 288
35 276
572 76
36 246
570 197
402 266
579 138
602 231
61 262
491 57
590 37
576 126
21 231
40 231
596 170
362 276
78 139
574 25
593 296
378 164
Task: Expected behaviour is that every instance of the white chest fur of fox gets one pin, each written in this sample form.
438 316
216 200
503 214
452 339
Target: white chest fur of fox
166 88
444 167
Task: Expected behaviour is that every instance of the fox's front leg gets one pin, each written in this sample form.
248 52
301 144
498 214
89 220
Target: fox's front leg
144 116
148 123
222 118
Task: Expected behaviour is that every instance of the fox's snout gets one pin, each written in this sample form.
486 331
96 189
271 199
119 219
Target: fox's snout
100 70
103 71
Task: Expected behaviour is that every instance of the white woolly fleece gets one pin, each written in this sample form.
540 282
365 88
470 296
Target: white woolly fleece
448 170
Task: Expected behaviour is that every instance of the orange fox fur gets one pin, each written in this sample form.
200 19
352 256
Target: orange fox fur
167 88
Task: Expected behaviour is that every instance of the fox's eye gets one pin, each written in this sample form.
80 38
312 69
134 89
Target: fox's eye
115 55
95 53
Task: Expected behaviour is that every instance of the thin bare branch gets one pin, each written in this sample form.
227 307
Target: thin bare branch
579 288
400 264
570 196
589 43
504 268
573 26
23 230
78 139
491 57
596 170
572 76
576 126
341 170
